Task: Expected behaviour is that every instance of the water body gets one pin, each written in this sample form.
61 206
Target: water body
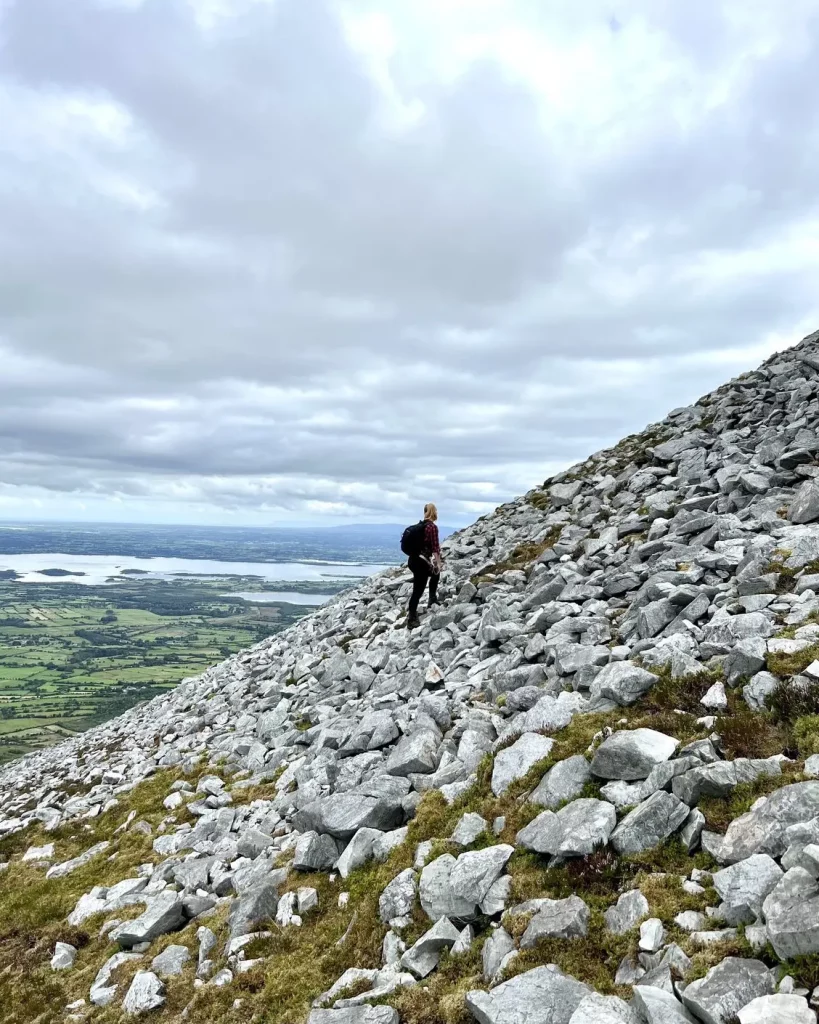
288 596
96 570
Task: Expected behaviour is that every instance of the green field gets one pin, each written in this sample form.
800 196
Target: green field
72 656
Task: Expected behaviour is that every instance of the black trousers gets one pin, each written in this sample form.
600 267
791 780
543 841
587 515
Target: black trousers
421 574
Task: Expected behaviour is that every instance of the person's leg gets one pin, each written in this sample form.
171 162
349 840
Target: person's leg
434 580
420 575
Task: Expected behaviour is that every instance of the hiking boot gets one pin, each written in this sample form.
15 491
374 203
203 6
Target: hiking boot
434 601
412 621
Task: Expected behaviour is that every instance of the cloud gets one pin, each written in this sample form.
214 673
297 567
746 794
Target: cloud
287 259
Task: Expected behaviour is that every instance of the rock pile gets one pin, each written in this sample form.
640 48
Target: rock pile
682 565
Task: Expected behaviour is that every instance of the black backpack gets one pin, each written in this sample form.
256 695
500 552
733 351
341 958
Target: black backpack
412 539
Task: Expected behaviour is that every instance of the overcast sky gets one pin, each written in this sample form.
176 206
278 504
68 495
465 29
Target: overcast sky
280 261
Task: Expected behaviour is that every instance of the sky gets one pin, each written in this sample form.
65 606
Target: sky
321 261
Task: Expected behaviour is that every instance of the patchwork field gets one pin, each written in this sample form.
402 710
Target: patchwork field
72 656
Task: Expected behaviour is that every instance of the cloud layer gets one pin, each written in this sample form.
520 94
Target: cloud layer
282 260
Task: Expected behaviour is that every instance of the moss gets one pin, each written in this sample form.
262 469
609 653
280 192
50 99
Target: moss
539 500
593 959
303 724
792 664
684 694
806 734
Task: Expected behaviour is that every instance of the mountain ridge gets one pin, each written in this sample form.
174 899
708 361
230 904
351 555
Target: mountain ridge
582 791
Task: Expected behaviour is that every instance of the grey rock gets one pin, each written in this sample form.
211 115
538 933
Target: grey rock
564 781
631 754
557 919
726 989
355 1015
743 886
256 905
314 852
437 896
495 951
659 1007
164 913
415 753
791 913
762 829
540 996
629 910
498 896
652 935
650 823
171 961
720 778
805 505
423 957
622 682
343 814
64 956
474 873
146 993
756 692
576 830
777 1009
468 829
398 898
597 1009
514 762
358 851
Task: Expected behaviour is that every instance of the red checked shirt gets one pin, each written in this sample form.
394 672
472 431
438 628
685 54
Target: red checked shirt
431 543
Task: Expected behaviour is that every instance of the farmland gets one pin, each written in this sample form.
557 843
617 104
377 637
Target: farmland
72 656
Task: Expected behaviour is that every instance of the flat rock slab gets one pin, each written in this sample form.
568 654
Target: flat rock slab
576 830
165 913
777 1009
557 919
540 996
514 762
727 988
630 909
343 814
597 1009
355 1015
631 754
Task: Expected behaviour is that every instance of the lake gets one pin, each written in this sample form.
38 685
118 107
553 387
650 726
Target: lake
95 570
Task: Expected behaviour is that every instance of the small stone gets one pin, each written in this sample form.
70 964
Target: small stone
468 829
64 956
631 754
777 1009
715 698
557 919
652 935
630 908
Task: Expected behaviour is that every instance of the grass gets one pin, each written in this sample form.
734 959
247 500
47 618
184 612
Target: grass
520 558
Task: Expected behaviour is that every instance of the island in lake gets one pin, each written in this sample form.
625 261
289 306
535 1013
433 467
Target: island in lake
58 572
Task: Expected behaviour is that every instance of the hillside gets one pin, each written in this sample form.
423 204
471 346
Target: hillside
584 791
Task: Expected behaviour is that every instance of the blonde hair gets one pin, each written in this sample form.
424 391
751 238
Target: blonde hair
430 512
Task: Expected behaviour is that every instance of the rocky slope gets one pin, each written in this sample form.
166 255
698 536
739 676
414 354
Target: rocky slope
581 793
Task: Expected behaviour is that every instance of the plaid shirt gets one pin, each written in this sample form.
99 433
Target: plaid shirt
431 543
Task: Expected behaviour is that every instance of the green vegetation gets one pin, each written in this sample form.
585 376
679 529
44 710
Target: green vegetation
72 656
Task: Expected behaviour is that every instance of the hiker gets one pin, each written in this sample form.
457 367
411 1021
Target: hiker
425 563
